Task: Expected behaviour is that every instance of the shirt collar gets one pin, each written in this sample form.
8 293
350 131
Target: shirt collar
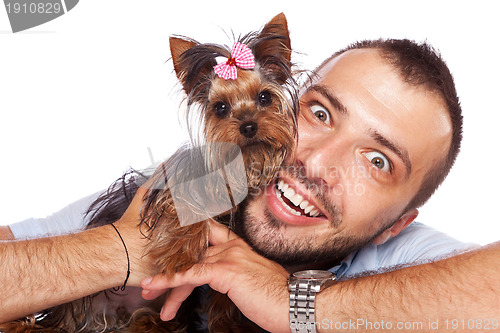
344 265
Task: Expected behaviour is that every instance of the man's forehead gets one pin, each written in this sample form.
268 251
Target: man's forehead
344 63
365 75
412 117
354 57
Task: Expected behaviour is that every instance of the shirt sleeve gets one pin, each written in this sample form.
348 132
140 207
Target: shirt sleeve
72 218
417 244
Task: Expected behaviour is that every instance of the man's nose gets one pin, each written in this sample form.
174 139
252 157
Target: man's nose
321 160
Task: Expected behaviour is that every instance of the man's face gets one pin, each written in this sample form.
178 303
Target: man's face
366 141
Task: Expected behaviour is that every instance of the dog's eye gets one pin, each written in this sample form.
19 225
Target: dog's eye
265 98
221 109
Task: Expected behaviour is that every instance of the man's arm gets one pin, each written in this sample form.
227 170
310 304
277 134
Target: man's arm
451 291
461 293
40 273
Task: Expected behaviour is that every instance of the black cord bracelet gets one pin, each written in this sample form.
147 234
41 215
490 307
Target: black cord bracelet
128 261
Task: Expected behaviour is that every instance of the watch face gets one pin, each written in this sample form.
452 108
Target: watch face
313 274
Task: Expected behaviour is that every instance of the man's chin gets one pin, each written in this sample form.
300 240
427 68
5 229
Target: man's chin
268 237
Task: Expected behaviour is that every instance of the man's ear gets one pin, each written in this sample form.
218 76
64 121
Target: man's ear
400 224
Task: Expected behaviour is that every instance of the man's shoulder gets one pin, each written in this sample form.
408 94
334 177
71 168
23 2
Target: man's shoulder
69 219
416 244
420 242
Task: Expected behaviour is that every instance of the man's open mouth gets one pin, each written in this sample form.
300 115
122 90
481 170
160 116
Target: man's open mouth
294 202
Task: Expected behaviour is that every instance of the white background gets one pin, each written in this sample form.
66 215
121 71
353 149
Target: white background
84 96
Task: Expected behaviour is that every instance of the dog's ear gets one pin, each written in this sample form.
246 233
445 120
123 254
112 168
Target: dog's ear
177 47
276 39
273 48
192 62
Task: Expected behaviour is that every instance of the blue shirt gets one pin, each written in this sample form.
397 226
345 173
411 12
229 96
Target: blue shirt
416 244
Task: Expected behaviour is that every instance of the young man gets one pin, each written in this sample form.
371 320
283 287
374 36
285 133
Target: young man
379 128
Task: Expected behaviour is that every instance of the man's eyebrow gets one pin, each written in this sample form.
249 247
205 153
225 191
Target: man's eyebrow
399 151
334 101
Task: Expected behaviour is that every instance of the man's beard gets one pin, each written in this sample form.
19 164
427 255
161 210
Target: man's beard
266 236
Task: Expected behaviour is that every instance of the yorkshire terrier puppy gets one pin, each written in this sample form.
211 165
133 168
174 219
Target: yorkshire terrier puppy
248 101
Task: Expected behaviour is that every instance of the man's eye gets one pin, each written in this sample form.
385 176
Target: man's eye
321 113
379 160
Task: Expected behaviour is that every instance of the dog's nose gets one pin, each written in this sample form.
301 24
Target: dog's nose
249 129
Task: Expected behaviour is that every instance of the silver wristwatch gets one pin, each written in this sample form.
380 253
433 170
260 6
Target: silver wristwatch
303 286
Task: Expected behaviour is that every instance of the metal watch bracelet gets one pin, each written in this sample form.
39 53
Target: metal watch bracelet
302 299
303 287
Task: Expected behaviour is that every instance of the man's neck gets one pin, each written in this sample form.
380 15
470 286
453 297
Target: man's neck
324 265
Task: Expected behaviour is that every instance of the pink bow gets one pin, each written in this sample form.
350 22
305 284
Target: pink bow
241 56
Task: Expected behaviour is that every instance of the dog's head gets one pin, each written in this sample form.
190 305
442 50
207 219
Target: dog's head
257 109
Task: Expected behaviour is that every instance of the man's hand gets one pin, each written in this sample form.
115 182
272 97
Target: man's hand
256 285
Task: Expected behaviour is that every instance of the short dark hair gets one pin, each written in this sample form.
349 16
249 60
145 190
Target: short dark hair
422 65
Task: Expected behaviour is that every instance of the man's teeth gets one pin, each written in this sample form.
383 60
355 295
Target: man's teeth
295 198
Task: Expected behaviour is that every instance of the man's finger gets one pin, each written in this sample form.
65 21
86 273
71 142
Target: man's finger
150 295
174 301
220 234
221 252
